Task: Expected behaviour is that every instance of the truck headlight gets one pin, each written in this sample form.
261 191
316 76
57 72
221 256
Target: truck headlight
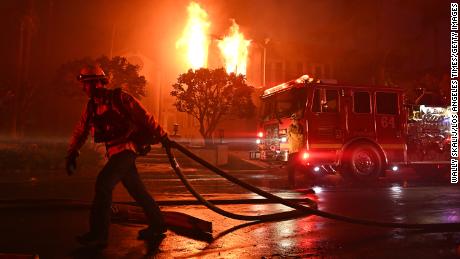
305 156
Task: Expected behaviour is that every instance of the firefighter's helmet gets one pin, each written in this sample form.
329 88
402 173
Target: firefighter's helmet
92 72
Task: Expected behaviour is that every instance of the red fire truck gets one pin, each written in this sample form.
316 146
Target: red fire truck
357 131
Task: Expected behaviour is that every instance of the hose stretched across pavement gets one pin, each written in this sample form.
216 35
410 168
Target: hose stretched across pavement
300 210
269 217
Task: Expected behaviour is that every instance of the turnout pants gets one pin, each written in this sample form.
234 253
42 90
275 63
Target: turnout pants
121 167
291 167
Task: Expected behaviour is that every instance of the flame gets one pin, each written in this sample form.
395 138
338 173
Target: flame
195 37
234 49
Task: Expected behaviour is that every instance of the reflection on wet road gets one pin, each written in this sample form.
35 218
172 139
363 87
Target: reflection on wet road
311 236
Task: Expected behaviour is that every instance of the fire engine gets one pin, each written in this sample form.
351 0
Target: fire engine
357 131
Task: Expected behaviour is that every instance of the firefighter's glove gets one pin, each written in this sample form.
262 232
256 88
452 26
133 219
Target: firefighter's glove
71 163
165 142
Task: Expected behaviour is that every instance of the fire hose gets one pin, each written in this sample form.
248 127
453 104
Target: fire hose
299 209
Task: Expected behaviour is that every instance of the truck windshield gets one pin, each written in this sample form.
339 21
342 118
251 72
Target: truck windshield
284 104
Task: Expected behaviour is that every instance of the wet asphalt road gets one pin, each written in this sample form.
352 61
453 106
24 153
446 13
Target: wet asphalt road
399 198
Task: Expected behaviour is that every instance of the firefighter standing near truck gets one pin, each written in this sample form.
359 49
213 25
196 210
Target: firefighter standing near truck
295 138
118 120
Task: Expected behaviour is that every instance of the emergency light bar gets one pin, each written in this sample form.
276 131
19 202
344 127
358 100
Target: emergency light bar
276 88
300 80
303 79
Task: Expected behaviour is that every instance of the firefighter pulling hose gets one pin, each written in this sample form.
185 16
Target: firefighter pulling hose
120 122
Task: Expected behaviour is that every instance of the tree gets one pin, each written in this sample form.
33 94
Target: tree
120 72
209 95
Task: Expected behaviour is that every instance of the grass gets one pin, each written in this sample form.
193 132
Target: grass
16 157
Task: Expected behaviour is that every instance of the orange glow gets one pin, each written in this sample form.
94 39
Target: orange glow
305 156
260 134
195 38
234 49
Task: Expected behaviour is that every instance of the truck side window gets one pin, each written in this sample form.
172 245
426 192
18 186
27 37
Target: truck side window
387 103
325 101
361 102
332 101
316 101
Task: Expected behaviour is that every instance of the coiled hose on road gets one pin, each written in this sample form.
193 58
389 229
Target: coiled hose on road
300 210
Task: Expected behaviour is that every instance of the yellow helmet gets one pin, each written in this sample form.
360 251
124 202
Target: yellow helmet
92 72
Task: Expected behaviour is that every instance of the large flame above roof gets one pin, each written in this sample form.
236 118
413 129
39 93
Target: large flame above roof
195 37
234 49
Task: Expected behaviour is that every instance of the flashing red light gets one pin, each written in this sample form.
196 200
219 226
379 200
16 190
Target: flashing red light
260 134
305 155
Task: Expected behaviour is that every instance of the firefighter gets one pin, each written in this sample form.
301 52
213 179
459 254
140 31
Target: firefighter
295 138
113 117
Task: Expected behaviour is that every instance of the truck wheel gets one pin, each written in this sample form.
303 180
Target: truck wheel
363 162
